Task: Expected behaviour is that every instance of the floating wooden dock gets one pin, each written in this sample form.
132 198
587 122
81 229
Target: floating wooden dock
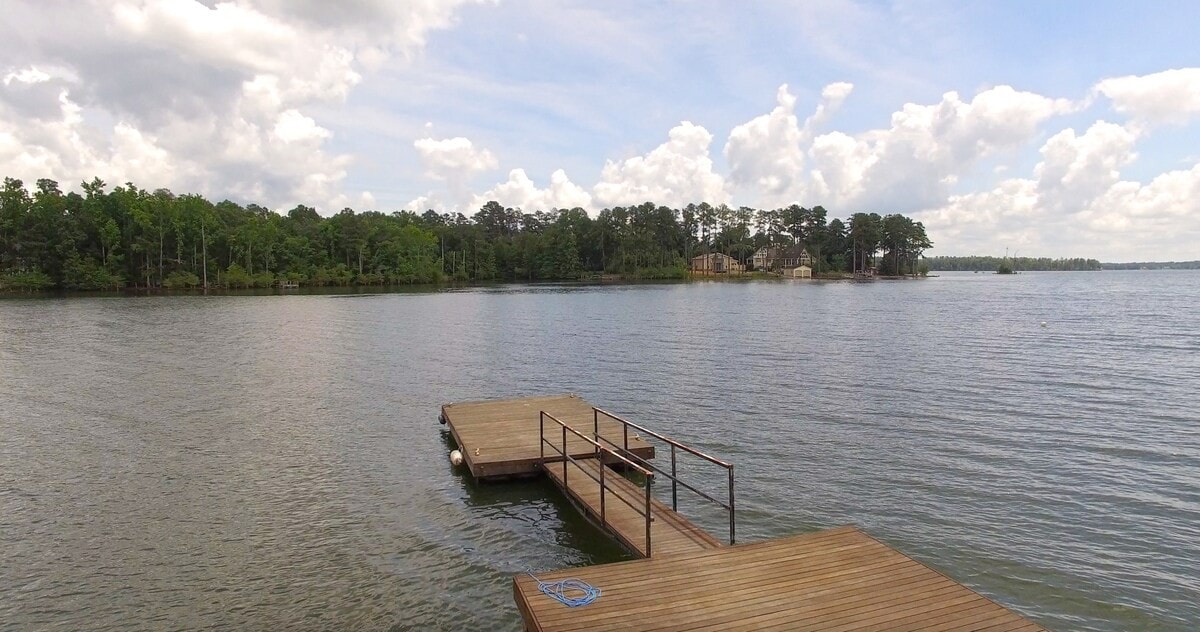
840 579
501 438
836 580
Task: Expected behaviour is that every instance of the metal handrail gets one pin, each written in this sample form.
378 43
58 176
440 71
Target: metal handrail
675 482
662 438
600 450
673 478
639 468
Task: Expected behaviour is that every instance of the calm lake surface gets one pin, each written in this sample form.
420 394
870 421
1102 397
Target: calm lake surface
275 462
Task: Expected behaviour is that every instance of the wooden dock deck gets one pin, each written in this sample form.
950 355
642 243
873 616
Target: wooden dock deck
501 438
838 580
670 532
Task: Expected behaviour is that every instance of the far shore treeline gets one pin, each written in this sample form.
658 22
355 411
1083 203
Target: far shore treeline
126 237
1017 264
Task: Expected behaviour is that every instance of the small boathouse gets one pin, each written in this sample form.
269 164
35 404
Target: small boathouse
687 579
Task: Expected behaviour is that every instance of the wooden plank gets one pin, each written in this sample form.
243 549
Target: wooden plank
841 579
670 532
501 438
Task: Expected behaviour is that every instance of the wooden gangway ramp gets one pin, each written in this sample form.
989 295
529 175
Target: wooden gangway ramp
670 532
500 438
838 580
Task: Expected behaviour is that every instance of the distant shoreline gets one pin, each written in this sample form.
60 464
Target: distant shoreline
424 288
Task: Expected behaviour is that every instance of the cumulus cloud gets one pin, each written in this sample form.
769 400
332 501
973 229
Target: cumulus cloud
677 172
916 161
1075 170
211 97
382 28
452 158
911 164
453 161
832 97
1170 96
423 203
520 192
767 152
1077 204
1075 200
766 155
1168 202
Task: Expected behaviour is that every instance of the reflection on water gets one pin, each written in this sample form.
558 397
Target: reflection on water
267 461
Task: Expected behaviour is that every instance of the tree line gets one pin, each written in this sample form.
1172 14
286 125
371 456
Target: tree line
976 263
127 237
1154 265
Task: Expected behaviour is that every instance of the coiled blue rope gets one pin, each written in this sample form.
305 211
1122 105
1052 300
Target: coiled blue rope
558 591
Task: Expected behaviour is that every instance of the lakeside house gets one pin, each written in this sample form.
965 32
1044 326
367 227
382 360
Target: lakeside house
715 263
776 259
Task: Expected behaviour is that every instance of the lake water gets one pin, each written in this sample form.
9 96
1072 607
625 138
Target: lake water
275 462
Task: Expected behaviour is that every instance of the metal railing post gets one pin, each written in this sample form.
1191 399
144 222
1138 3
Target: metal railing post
602 468
674 482
625 428
648 514
565 458
542 436
732 522
596 433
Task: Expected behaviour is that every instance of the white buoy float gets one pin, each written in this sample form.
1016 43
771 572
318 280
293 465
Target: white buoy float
456 458
1043 323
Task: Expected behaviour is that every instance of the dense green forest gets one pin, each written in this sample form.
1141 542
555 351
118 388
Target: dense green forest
126 237
1017 264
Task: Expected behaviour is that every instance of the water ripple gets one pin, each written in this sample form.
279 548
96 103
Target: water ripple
227 463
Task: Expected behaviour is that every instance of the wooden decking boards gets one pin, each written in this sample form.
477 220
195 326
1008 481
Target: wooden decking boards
501 438
839 580
836 580
669 531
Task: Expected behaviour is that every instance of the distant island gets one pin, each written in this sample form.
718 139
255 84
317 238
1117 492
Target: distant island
125 237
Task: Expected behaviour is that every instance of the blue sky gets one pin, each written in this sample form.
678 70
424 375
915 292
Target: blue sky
1073 130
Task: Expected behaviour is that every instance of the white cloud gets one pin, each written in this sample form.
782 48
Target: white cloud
134 152
423 203
382 28
1075 170
1170 96
915 162
293 127
520 192
218 98
251 99
1076 204
767 153
1169 201
976 222
26 75
453 158
676 173
453 161
832 97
